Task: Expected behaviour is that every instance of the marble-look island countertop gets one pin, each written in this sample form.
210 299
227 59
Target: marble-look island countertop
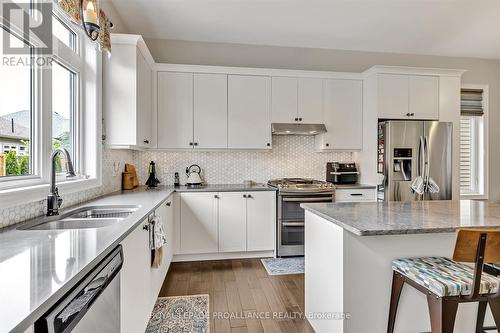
37 267
392 218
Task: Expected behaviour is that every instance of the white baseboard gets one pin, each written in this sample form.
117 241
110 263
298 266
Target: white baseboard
222 256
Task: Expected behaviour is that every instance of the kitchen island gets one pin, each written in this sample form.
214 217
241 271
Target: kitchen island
349 248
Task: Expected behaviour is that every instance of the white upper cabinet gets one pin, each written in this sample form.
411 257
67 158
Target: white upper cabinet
127 87
343 116
402 96
424 97
310 101
297 100
210 110
175 110
248 119
284 99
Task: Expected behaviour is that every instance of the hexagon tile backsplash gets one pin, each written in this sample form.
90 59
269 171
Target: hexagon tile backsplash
110 183
291 156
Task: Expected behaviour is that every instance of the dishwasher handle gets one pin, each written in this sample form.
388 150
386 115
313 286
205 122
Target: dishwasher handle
73 307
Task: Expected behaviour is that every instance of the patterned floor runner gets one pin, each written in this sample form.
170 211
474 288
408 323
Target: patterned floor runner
180 314
284 266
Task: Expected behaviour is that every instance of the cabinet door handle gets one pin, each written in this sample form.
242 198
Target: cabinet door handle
145 227
300 119
412 114
169 204
268 144
328 145
356 194
146 141
196 143
245 196
216 196
190 143
296 119
249 196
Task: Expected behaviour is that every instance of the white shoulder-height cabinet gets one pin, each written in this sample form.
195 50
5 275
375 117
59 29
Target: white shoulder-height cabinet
297 100
343 116
175 110
127 92
249 113
404 96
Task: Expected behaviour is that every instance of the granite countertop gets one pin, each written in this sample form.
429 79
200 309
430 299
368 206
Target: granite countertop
38 267
354 186
224 188
393 218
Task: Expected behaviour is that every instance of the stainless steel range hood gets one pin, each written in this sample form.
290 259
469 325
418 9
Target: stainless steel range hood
297 129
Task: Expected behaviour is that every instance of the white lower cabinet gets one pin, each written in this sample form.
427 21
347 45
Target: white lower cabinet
356 195
223 222
134 281
140 284
199 214
232 222
261 221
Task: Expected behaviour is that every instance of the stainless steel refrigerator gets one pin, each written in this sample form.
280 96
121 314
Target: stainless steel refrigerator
415 159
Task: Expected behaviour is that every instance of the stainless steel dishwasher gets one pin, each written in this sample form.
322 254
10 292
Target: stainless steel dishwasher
93 305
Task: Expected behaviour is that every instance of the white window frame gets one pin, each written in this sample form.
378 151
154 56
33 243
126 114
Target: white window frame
88 145
483 160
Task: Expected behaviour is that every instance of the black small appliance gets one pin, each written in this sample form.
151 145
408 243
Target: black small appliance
342 173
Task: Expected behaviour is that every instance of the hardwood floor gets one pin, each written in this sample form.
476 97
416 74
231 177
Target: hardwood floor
243 297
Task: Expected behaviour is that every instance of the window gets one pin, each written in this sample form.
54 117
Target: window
62 32
64 108
473 176
49 106
16 114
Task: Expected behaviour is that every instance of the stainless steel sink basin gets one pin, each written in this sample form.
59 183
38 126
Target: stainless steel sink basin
118 212
83 218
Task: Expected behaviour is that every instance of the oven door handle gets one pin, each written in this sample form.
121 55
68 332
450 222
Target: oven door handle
292 224
326 199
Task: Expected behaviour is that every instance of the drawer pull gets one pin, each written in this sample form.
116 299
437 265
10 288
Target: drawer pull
356 194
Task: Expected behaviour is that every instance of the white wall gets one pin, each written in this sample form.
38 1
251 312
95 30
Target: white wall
479 71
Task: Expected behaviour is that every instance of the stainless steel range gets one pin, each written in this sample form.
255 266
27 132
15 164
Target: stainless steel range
291 193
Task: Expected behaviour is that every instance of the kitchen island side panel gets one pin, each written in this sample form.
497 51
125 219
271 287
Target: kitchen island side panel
356 276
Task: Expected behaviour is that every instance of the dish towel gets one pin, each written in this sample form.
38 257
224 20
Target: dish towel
157 239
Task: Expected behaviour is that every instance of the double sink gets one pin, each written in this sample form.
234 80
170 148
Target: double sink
83 218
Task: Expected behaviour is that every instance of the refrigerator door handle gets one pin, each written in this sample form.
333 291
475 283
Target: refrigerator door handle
427 162
421 158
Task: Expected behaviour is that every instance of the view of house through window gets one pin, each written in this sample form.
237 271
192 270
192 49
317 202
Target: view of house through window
63 116
16 114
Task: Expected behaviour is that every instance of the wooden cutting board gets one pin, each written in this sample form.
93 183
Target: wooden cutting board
129 168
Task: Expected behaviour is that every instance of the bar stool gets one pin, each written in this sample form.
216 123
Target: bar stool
447 283
492 269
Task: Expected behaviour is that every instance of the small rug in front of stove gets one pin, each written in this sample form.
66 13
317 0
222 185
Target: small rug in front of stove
284 266
180 314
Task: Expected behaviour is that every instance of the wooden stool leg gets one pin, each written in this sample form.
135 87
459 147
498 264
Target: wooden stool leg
397 286
442 313
481 311
495 310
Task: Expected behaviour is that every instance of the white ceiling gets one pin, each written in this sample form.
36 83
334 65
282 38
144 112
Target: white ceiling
468 28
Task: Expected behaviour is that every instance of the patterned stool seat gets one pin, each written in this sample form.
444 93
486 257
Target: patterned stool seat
443 276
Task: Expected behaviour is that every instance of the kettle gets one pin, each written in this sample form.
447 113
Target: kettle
193 174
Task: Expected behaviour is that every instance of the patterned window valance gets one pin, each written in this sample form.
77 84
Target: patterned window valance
72 8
